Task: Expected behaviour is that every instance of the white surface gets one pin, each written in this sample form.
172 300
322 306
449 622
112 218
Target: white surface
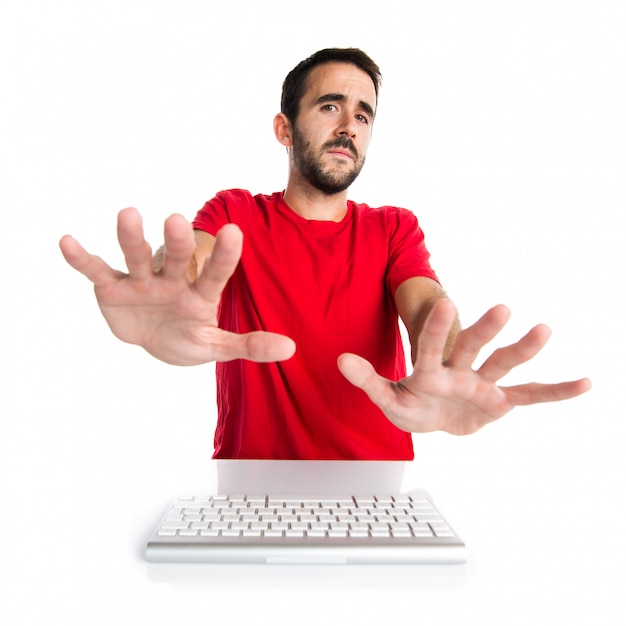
503 120
235 476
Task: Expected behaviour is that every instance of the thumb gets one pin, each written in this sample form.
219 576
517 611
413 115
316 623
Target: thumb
357 370
361 374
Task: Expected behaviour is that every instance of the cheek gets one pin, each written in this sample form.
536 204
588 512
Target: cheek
363 147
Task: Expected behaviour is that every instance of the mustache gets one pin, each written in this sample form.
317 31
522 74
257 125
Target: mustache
342 142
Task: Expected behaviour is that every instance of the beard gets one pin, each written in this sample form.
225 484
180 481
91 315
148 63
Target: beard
327 179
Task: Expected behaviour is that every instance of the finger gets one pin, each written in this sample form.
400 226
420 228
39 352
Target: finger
261 347
137 251
178 247
220 265
91 266
432 340
473 339
362 374
503 360
532 393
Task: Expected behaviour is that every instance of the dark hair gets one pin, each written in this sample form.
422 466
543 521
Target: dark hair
295 84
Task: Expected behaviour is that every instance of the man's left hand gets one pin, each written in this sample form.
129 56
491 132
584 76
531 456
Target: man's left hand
451 396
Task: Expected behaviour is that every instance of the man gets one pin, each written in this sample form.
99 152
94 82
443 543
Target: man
297 295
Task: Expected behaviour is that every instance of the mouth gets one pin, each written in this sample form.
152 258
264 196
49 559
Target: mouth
342 154
342 148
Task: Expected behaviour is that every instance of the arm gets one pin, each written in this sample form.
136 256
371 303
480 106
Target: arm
203 249
414 300
446 393
171 317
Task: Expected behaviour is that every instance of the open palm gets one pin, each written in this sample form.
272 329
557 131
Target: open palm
451 396
173 318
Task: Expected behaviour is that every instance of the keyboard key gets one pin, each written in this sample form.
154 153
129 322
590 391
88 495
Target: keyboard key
219 525
200 500
174 525
402 501
275 502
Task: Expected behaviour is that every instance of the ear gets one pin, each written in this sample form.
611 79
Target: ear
282 129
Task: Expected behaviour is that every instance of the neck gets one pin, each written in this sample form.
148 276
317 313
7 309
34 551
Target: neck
313 204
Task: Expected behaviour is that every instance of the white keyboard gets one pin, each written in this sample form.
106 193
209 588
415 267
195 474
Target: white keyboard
253 528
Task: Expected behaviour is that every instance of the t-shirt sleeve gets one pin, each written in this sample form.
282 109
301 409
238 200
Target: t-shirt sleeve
408 256
214 214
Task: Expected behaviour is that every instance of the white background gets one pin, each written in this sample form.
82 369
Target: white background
501 125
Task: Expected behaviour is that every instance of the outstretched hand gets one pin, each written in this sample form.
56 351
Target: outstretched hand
173 318
451 396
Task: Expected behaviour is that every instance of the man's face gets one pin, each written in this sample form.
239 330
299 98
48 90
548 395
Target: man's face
334 126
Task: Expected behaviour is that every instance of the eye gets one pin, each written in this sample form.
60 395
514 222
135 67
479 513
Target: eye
329 107
363 119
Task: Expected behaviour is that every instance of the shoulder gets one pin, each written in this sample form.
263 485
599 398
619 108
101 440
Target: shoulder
392 217
234 196
237 206
243 199
238 201
383 211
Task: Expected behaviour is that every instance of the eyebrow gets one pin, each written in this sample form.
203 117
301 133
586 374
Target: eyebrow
338 97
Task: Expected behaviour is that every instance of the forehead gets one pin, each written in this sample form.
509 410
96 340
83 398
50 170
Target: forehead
341 78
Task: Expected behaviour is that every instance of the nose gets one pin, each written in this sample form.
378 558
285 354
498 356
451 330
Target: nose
347 126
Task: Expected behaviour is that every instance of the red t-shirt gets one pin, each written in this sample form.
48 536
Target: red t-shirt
329 286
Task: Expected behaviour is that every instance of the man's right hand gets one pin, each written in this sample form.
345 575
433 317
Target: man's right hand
174 319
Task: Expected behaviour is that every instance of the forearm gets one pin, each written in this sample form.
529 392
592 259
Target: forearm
159 258
415 299
416 325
